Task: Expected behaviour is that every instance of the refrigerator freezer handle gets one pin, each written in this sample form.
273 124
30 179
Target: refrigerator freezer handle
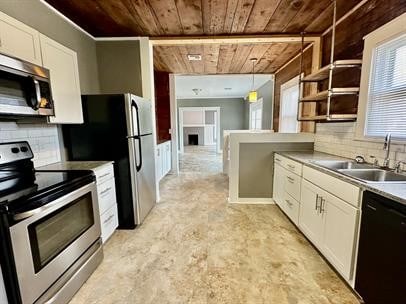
137 136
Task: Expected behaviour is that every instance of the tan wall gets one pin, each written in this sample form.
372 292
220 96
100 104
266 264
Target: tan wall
38 16
119 66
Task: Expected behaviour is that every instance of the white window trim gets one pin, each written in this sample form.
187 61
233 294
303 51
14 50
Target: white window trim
287 85
258 103
387 32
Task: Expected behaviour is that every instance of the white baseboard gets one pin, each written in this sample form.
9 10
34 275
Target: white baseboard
253 201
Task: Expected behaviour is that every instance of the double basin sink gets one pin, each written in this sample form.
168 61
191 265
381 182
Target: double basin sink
362 171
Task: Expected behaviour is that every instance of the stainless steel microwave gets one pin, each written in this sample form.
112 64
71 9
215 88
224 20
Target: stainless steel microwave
25 89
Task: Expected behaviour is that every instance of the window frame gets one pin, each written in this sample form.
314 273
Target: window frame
256 106
285 86
391 30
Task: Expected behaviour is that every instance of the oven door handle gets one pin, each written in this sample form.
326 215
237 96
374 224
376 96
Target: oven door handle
26 214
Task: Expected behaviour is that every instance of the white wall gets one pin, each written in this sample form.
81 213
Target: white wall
42 138
338 139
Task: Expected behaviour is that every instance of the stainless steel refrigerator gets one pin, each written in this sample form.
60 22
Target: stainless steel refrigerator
119 128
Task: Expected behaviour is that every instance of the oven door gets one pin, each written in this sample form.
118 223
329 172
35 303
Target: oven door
51 238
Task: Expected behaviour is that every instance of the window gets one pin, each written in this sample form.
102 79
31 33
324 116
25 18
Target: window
256 115
288 108
382 102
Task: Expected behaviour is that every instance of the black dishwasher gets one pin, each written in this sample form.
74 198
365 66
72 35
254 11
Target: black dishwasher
381 265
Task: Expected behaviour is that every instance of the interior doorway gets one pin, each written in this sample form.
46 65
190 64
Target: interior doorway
199 126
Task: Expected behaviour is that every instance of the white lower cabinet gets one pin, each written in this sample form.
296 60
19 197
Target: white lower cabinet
106 195
331 224
164 159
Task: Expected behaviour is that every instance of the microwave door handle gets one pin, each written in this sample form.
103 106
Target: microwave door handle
137 136
37 93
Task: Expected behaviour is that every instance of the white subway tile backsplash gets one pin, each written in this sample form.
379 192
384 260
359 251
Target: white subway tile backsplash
338 139
43 139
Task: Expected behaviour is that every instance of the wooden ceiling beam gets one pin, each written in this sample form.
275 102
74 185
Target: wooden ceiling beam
252 39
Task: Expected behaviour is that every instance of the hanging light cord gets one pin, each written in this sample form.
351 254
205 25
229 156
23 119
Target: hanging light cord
253 64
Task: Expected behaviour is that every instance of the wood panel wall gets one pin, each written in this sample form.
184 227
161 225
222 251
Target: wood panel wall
162 106
349 45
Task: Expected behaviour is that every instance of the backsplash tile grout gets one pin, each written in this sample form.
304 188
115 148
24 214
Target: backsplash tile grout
338 139
43 139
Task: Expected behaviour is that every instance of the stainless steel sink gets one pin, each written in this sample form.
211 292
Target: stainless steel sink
340 164
375 175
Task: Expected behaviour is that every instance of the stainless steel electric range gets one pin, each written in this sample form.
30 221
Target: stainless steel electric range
49 228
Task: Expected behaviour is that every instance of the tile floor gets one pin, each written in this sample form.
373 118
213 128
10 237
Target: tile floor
196 248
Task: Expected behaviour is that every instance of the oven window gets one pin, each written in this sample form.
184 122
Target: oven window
53 233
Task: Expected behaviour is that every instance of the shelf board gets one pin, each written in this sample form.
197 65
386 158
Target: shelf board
323 95
336 66
331 117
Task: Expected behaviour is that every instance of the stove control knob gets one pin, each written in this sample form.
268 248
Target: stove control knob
24 149
15 150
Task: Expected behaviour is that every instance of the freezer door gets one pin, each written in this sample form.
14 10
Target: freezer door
144 114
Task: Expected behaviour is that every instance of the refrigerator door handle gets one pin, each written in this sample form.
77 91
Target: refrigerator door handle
137 136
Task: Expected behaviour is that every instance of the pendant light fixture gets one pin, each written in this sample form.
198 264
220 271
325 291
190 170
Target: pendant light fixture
252 95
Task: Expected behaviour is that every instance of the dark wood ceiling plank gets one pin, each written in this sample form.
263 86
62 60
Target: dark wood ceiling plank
190 16
168 17
210 58
258 52
283 57
241 16
286 10
145 17
226 55
309 11
230 15
260 15
214 12
240 57
325 19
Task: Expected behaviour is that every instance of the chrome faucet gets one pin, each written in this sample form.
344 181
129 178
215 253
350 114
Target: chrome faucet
386 147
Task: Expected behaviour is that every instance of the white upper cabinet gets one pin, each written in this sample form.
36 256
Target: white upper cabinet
19 40
63 65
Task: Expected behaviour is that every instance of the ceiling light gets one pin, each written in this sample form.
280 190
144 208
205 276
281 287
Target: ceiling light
194 57
228 89
252 95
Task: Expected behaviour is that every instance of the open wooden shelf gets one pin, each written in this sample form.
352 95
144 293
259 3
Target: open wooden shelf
331 117
324 95
336 66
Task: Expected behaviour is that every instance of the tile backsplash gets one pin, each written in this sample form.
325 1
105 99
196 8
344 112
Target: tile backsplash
338 139
43 139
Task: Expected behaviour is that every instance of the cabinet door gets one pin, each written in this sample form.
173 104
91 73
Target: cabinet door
278 185
63 65
19 40
340 222
159 162
310 219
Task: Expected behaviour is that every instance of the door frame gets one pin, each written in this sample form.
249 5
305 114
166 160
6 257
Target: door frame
218 124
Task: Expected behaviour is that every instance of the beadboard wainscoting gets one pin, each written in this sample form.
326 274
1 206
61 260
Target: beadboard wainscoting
43 139
338 139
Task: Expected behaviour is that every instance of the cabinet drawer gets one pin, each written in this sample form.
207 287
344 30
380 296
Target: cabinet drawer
108 222
291 208
104 173
106 193
292 185
288 164
343 190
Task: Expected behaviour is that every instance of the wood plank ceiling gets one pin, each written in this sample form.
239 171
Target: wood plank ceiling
117 18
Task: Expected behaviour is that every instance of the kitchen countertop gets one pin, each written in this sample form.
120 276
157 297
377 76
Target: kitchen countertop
394 191
75 165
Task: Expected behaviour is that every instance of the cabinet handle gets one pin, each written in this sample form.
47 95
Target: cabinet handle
291 180
317 202
289 203
104 175
105 190
291 166
277 159
108 219
321 209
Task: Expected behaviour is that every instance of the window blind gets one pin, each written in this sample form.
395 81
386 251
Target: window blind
386 110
